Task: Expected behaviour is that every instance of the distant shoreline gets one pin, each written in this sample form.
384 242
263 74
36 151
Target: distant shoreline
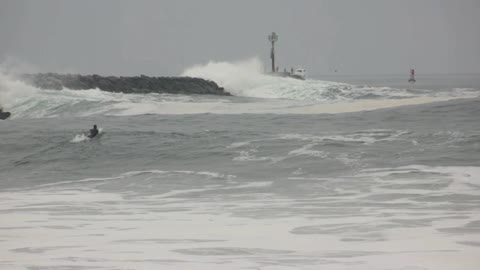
135 84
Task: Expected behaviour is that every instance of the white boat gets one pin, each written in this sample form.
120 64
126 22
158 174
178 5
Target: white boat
299 73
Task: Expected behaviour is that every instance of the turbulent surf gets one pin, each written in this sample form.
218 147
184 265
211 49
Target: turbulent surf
284 174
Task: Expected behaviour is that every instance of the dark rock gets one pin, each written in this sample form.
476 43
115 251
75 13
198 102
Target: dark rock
140 84
4 115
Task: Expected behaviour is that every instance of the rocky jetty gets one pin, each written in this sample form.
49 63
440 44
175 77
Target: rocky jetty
4 115
139 84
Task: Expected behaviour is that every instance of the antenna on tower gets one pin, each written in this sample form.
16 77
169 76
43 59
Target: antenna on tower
273 38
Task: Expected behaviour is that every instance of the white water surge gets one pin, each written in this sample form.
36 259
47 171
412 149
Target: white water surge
254 93
379 219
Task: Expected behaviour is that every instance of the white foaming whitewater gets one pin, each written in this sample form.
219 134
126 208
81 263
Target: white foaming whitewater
82 137
259 93
246 78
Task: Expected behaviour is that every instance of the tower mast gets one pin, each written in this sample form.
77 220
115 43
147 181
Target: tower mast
273 38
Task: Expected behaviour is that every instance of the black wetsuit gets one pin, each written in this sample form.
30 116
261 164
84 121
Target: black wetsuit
93 132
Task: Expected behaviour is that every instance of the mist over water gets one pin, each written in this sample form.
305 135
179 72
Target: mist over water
285 174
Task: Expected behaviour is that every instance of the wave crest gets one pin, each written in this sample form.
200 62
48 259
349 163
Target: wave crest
247 78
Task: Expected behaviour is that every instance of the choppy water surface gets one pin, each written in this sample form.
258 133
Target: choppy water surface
259 187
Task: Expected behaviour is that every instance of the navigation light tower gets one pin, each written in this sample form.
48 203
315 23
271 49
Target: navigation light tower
273 38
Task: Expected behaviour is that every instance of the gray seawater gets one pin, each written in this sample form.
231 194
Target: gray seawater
393 188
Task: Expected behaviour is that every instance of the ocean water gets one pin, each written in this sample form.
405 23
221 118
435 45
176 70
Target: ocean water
364 172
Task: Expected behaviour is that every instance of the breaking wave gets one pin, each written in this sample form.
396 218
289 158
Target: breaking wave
254 92
26 101
247 78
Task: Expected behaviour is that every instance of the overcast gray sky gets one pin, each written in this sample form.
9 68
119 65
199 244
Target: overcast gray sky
165 37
